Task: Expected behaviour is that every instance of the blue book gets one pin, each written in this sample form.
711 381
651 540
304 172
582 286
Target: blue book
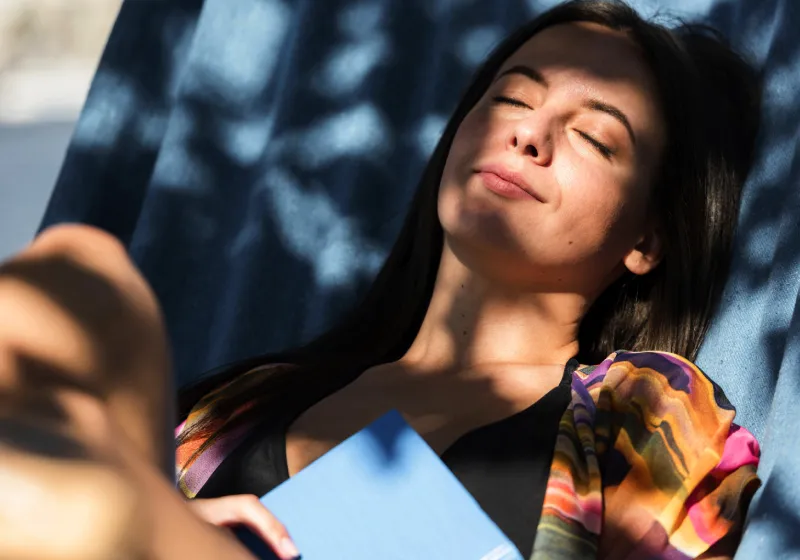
382 494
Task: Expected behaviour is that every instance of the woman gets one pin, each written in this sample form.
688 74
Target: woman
582 199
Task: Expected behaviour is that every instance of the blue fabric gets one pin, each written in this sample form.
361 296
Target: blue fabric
257 156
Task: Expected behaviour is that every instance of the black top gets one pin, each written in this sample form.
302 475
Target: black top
505 465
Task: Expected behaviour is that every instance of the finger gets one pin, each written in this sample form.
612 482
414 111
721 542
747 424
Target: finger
267 526
248 511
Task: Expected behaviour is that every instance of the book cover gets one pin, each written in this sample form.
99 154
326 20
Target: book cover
382 494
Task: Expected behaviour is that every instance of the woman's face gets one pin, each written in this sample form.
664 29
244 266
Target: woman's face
547 181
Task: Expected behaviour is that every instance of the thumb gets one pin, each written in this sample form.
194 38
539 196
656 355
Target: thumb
247 511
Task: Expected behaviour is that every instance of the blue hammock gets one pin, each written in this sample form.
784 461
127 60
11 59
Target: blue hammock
258 156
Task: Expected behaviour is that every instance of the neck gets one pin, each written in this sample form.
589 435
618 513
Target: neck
475 321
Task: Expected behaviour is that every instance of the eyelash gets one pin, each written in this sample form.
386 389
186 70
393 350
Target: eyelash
512 101
604 150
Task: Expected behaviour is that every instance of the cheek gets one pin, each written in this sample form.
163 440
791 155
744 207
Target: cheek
604 207
586 190
465 211
458 167
478 135
467 141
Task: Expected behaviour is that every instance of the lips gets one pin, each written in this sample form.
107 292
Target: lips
507 183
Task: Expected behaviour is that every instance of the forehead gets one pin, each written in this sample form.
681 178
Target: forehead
585 48
596 61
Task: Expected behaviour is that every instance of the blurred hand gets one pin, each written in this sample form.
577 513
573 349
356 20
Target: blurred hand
85 412
246 510
67 509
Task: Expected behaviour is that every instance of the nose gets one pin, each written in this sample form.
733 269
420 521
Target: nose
530 137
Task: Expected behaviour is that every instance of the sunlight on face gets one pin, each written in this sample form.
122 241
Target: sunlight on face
548 177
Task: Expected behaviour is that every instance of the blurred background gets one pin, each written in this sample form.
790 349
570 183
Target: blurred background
49 50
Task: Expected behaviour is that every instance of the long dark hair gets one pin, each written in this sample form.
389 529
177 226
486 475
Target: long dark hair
710 101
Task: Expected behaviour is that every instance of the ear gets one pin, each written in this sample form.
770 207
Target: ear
647 253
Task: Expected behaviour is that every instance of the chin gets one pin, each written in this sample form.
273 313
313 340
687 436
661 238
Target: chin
474 216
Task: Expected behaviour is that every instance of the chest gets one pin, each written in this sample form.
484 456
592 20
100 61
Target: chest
441 410
504 465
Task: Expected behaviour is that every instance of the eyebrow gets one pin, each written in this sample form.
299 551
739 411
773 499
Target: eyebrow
597 105
525 71
592 104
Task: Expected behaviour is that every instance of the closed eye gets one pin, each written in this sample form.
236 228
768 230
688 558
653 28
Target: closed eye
511 101
604 150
